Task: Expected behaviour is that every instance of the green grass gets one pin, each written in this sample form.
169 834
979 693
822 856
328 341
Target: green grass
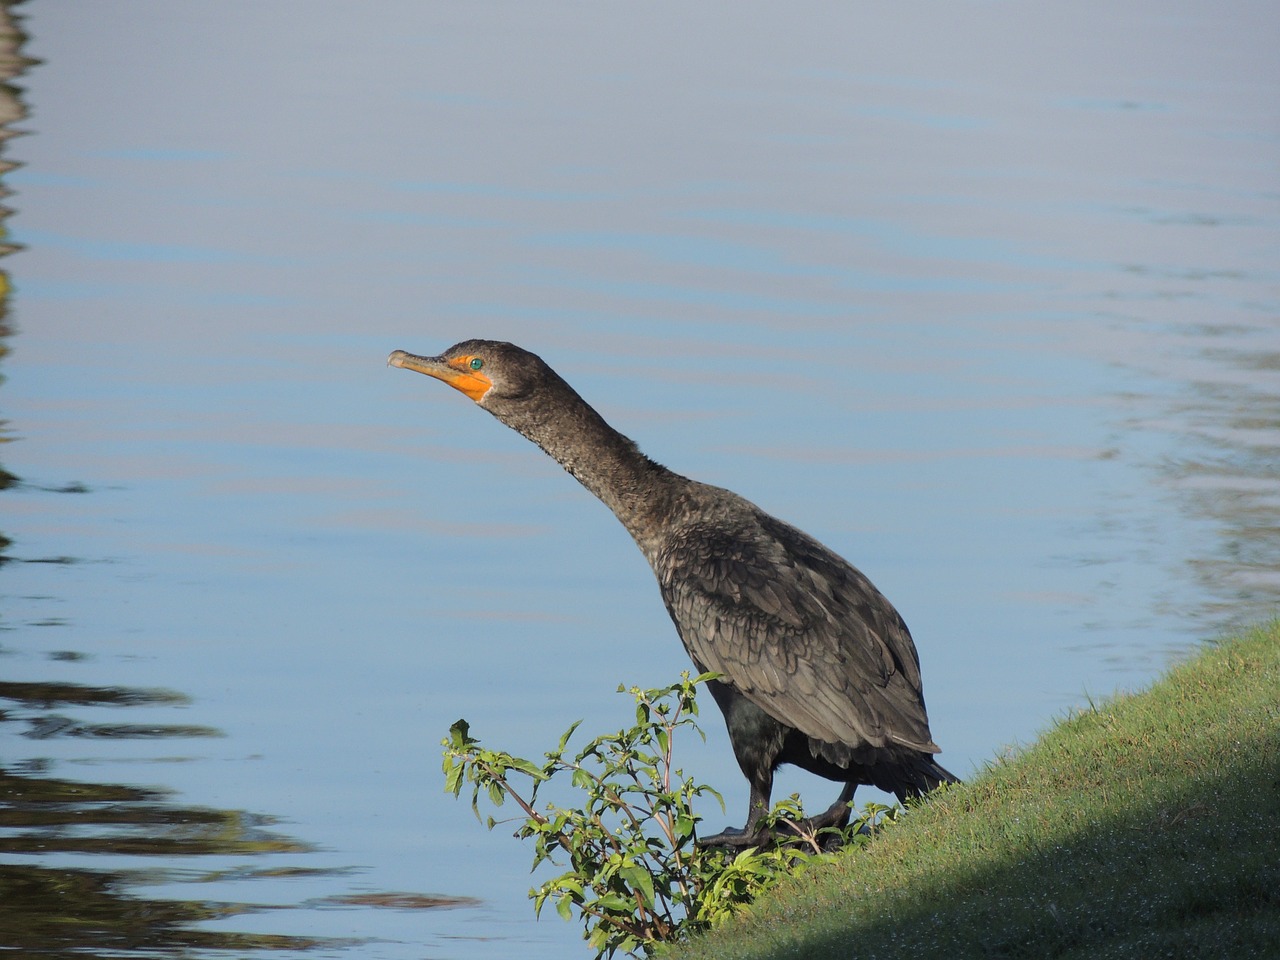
1147 826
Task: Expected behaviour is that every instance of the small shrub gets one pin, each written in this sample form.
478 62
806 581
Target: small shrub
634 873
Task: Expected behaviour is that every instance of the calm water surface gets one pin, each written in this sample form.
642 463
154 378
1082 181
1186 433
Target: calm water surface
983 295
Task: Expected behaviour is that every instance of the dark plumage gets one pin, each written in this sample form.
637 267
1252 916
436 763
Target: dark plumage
818 669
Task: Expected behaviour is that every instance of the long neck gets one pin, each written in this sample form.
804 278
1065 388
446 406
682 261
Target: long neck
639 491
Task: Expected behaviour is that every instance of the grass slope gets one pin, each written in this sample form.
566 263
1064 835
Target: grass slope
1148 826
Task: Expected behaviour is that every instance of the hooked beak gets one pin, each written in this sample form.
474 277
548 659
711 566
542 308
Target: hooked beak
471 382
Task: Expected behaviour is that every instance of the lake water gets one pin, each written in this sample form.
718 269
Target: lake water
986 296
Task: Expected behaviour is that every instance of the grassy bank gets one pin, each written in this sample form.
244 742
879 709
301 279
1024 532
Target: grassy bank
1146 827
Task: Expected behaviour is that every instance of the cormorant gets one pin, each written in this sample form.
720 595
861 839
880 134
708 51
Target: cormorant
816 667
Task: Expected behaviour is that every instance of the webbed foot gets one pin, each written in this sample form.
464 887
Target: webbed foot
731 838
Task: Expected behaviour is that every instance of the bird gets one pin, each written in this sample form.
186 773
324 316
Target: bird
814 666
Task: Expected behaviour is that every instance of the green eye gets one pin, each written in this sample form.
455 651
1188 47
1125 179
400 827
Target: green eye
476 363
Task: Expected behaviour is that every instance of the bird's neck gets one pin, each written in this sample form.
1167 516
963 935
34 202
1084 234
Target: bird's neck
640 492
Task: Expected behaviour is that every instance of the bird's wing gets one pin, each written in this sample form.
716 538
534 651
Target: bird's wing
797 630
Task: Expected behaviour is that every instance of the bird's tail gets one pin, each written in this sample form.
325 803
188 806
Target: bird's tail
923 774
936 775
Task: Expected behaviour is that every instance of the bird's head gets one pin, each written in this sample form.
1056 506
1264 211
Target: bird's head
492 373
518 388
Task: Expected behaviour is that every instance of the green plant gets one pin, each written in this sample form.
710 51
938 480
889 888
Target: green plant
635 873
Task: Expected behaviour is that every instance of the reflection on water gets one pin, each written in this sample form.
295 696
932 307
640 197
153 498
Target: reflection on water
78 911
1218 344
47 910
52 911
1228 470
12 63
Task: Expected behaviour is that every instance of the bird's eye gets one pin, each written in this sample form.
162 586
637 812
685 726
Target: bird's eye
476 363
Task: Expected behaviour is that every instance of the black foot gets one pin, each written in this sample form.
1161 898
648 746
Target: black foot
732 838
805 831
836 815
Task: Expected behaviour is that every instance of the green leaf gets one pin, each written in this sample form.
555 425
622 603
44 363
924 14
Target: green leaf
684 826
564 741
599 939
564 907
453 779
528 767
460 735
614 903
640 880
664 740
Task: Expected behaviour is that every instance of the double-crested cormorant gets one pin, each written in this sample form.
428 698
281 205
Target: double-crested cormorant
816 667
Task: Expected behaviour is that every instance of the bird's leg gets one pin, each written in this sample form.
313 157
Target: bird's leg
836 815
758 805
753 834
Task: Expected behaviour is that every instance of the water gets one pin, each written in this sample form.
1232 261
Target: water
984 297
